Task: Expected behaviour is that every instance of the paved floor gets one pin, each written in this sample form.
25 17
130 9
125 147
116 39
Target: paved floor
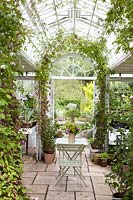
40 180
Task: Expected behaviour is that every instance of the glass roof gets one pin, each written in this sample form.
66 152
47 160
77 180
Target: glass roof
44 18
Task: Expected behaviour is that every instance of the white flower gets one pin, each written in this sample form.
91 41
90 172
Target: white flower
13 63
3 66
12 54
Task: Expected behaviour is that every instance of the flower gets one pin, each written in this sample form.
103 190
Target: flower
71 127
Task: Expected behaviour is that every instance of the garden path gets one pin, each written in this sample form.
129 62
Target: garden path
40 180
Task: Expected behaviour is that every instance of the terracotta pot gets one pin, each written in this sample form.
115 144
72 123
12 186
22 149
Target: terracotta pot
49 158
96 158
103 162
125 168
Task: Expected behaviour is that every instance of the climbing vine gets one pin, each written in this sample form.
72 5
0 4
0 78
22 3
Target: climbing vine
60 45
119 21
11 40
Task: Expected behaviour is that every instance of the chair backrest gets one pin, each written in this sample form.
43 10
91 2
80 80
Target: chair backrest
70 151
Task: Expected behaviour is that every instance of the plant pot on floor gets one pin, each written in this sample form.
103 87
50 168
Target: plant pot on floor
96 158
103 162
117 196
49 158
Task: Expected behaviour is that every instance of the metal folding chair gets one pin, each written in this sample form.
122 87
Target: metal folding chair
70 155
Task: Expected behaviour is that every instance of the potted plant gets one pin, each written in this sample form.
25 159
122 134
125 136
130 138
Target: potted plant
48 142
94 150
103 159
28 112
117 179
72 129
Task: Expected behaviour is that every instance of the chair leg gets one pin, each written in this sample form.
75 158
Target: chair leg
62 175
80 176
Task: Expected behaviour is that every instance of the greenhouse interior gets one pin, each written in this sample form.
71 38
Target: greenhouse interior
66 100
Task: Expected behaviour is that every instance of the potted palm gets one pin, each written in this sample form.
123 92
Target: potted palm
48 142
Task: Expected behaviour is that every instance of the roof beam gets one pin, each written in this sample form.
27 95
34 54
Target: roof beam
92 18
39 20
56 14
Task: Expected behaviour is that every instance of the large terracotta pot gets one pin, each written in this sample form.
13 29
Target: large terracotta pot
49 158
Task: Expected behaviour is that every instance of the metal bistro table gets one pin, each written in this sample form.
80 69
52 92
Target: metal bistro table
70 155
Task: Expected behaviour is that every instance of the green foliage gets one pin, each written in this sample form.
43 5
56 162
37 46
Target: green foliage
129 158
120 103
11 40
95 51
48 137
73 113
104 155
119 21
28 111
117 179
71 127
91 140
88 105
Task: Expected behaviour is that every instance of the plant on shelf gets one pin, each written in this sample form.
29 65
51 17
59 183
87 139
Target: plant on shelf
28 112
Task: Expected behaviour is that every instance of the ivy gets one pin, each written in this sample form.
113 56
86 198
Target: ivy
119 21
11 40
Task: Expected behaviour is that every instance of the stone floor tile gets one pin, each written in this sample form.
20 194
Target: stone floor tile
38 189
95 168
47 180
103 197
28 167
84 196
76 179
28 159
79 188
36 196
60 195
102 189
33 167
29 174
52 173
98 179
60 187
39 167
95 174
27 180
74 184
52 167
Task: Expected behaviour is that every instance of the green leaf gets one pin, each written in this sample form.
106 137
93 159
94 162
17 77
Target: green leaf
2 116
